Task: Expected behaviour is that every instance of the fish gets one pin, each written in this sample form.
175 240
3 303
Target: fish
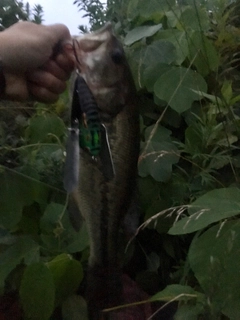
107 181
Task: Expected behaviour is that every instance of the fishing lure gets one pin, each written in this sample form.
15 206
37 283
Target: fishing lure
88 133
89 121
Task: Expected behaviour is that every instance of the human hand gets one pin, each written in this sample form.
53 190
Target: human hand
34 62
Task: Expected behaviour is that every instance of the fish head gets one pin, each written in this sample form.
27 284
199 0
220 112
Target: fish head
102 63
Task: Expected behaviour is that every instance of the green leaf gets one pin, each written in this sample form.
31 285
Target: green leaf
194 143
203 54
73 307
17 191
226 91
190 311
151 74
160 51
214 99
159 156
212 207
37 292
58 233
149 191
194 18
148 10
29 224
180 41
51 217
50 242
41 126
23 249
158 161
176 88
214 258
139 33
67 275
176 292
173 17
80 241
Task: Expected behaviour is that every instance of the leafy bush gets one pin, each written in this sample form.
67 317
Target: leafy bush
11 11
182 58
38 244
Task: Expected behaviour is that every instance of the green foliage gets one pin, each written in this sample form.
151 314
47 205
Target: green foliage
176 87
141 33
67 275
159 155
95 11
37 292
20 248
37 240
11 11
213 206
213 257
23 190
179 291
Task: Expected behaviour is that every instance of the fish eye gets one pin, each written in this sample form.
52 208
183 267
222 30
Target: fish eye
117 56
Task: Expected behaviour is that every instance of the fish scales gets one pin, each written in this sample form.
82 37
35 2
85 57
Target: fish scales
104 203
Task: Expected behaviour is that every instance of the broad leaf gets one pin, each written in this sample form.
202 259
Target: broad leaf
139 33
176 292
203 54
159 51
159 155
227 91
180 41
149 10
212 207
58 233
37 292
173 17
80 241
190 311
214 258
176 88
67 275
52 217
152 72
41 126
23 249
194 18
17 191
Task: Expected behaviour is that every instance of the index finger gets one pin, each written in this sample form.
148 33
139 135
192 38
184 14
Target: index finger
59 32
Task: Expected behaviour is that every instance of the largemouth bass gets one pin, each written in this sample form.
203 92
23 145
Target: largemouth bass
104 201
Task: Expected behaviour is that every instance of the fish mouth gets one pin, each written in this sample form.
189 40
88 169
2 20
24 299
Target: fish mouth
95 87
